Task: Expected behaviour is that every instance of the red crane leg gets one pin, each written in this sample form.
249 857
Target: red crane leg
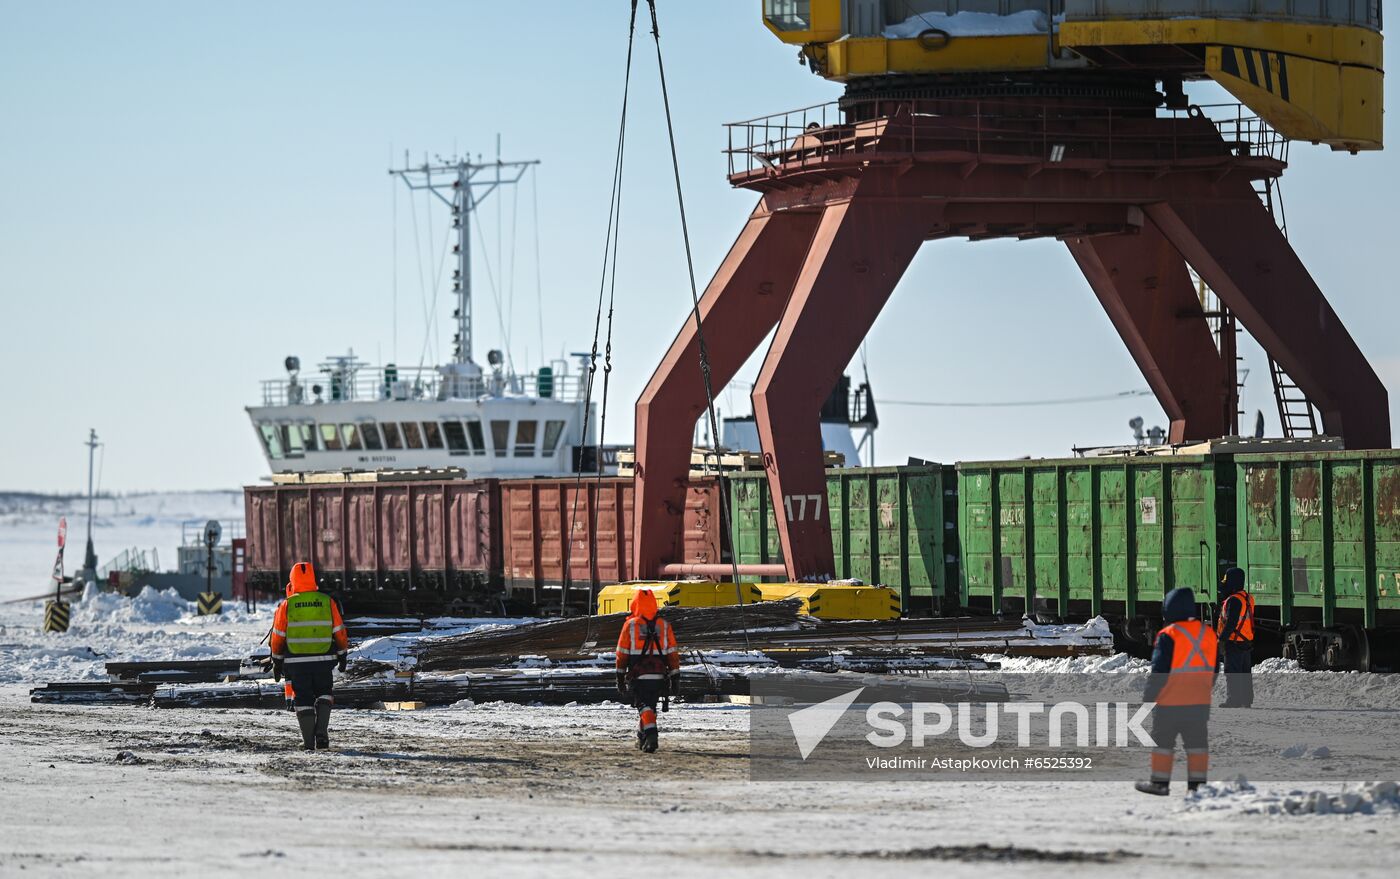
1142 282
1235 246
742 303
858 254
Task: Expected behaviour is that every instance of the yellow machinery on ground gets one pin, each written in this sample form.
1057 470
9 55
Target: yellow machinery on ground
617 598
1311 68
838 601
828 601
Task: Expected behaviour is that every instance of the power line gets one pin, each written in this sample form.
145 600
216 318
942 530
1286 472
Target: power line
1011 404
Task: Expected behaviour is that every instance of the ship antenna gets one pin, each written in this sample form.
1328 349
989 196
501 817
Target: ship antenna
455 183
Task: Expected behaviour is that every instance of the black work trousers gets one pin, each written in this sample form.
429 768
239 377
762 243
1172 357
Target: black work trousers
1239 669
311 680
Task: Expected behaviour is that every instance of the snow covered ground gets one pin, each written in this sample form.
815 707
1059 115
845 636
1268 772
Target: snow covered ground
523 790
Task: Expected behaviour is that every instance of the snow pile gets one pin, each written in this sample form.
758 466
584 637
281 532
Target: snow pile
1368 798
1094 632
150 605
971 24
1117 663
153 626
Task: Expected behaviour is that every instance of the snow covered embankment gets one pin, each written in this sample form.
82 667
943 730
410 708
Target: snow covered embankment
152 626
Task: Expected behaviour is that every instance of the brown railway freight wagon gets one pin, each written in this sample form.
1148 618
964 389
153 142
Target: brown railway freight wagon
561 535
381 547
459 546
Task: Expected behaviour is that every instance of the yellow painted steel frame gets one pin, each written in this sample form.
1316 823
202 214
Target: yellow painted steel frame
1312 82
855 57
1321 83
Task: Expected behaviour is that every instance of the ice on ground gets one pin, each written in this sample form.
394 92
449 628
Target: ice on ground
1368 798
971 24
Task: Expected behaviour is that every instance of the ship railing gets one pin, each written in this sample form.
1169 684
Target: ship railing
128 561
415 383
832 133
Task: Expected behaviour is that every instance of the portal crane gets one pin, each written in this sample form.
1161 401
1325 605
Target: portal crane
1016 119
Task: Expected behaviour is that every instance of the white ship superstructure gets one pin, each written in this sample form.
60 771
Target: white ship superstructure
492 422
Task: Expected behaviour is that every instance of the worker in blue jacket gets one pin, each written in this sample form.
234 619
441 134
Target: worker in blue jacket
1183 672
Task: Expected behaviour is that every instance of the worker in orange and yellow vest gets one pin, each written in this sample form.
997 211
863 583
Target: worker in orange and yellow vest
648 664
1235 629
308 641
1183 672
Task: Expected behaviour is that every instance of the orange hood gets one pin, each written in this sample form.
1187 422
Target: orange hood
303 578
644 604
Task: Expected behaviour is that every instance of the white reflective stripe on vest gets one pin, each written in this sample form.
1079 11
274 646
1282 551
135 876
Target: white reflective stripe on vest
1197 649
324 657
309 641
279 633
306 624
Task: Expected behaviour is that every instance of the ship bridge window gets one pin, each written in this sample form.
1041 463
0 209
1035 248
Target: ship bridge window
370 431
553 431
432 434
391 435
500 437
302 438
525 432
350 437
456 437
474 434
272 440
412 436
330 437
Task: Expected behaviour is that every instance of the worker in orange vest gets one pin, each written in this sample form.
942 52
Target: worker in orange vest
1235 629
648 664
308 641
1183 672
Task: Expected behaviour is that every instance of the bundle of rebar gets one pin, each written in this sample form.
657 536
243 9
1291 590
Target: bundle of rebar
580 636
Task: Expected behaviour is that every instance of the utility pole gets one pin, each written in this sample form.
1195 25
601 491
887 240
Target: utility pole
90 557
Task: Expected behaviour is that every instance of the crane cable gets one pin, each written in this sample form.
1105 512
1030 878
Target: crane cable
610 243
724 517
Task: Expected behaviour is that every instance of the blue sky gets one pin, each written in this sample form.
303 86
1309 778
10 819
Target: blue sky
190 192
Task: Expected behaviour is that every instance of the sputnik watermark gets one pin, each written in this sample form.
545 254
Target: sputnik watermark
1109 724
1114 724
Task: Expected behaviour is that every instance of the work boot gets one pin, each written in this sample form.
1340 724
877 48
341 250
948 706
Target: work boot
306 719
1194 785
649 741
323 723
1156 788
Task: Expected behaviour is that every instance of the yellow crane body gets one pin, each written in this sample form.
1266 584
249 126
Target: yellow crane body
1310 68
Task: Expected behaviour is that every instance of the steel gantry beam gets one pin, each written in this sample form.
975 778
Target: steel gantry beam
844 209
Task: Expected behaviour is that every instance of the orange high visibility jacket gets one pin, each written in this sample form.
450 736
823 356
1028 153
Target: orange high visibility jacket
1244 628
646 646
1194 647
304 580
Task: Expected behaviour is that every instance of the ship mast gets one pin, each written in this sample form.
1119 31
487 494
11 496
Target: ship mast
462 185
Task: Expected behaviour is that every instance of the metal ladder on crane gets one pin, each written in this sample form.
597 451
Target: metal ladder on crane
1296 413
1225 329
